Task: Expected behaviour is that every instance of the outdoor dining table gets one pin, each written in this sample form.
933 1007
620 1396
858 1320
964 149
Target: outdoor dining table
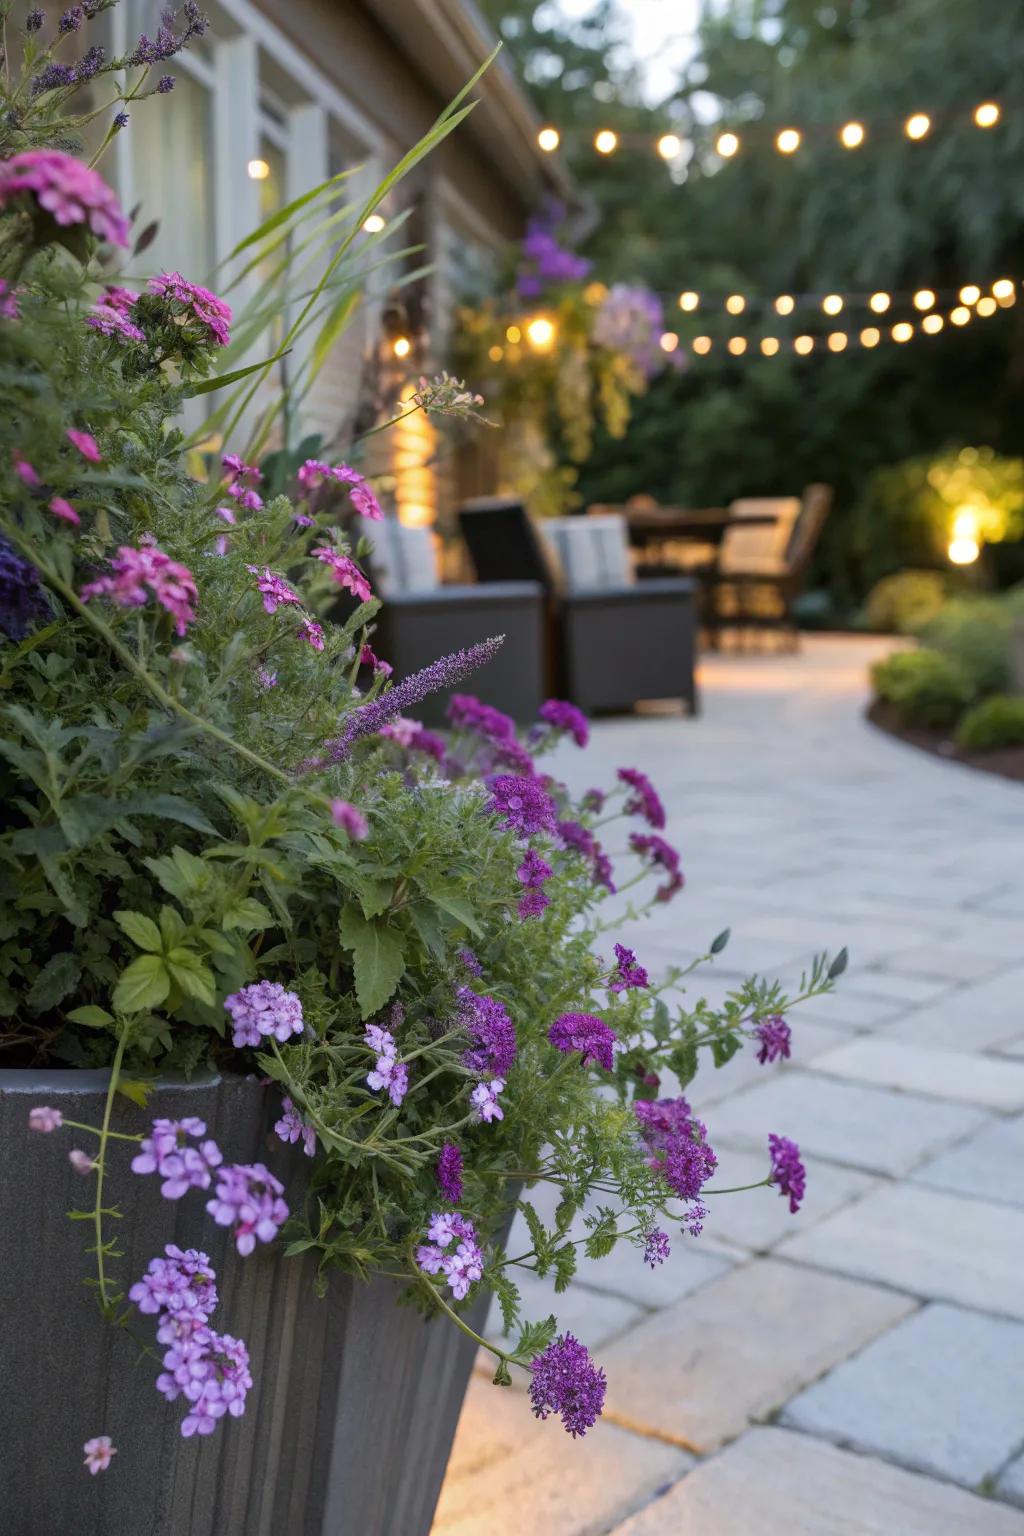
705 525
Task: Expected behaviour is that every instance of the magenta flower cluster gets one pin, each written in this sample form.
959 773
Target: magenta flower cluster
645 800
587 1034
449 1172
193 305
345 572
248 1199
659 855
565 1380
531 874
463 1265
168 1151
314 473
292 1127
629 973
262 1011
466 712
523 804
775 1039
489 1026
388 1072
66 189
562 716
787 1171
681 1151
656 1247
580 838
138 574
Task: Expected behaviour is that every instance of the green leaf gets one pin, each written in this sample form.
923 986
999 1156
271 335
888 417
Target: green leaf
378 959
138 1092
838 965
248 915
429 929
683 1061
91 1016
719 943
724 1048
456 906
565 1266
206 386
534 1338
141 930
145 984
172 926
192 976
508 1297
375 896
58 977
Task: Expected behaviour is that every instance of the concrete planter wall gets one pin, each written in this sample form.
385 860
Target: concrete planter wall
355 1401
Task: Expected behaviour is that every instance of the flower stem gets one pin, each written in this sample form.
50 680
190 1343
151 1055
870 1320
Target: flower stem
106 1305
737 1189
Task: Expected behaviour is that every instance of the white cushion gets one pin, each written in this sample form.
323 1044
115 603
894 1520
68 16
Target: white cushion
592 552
760 550
402 559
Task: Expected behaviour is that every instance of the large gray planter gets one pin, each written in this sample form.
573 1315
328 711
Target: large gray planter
355 1401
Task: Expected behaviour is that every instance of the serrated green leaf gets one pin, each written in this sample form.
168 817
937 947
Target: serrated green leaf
192 976
724 1048
144 984
141 930
378 958
248 915
534 1338
172 926
375 896
456 906
138 1092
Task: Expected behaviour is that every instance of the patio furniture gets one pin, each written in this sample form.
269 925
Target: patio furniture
614 641
422 620
760 573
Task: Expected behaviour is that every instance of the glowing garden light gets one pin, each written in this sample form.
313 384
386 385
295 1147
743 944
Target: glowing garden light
513 335
932 324
788 141
701 345
258 170
769 345
1004 289
540 333
606 142
902 331
985 307
879 303
851 135
924 298
917 125
803 344
373 223
832 303
727 145
970 293
959 316
785 304
669 146
735 304
870 336
549 140
689 300
668 341
837 341
737 345
964 546
401 346
987 114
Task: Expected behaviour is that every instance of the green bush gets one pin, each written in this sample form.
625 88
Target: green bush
901 604
996 722
926 687
974 632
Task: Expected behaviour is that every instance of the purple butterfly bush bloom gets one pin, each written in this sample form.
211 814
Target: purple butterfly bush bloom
469 962
488 1025
660 855
43 1118
645 801
523 804
656 1247
567 1382
462 1266
211 1370
484 1099
775 1037
263 1010
787 1171
350 820
388 1072
292 1126
630 974
465 712
562 716
248 1199
532 873
682 1154
166 1151
584 1033
449 1172
580 838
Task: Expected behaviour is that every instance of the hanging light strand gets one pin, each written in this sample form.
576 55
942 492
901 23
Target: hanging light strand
1002 292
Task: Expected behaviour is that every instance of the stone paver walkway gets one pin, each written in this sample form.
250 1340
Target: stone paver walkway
857 1369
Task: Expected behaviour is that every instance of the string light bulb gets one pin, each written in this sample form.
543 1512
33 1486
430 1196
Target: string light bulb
960 315
689 300
549 140
785 304
373 223
668 341
803 345
902 330
970 293
924 298
496 353
986 306
669 146
727 145
917 125
258 170
987 114
606 142
870 336
701 345
540 333
401 346
737 345
932 324
788 141
1004 289
513 335
964 546
832 303
879 302
735 304
769 345
851 135
837 341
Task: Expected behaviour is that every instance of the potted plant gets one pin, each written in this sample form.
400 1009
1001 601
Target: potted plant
297 995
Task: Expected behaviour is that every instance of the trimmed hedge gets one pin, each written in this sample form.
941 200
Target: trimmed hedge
901 604
925 687
994 723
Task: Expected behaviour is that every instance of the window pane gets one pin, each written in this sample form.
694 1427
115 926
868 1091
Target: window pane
174 184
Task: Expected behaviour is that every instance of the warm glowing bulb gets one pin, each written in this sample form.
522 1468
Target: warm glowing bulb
879 302
870 336
960 315
595 293
496 353
832 303
1004 290
769 345
932 324
514 335
965 524
924 298
803 345
549 139
668 341
606 142
987 115
735 303
963 551
970 293
902 331
689 300
785 304
401 346
727 144
540 333
986 306
837 341
737 345
917 126
851 135
701 345
258 170
373 223
788 141
669 146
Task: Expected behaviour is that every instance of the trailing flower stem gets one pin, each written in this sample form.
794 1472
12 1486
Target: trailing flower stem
106 1302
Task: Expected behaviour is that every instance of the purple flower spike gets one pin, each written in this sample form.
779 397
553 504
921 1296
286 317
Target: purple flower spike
567 1382
775 1037
449 1172
584 1033
787 1171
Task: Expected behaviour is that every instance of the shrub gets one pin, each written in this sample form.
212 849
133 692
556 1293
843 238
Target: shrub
974 632
994 723
901 604
926 687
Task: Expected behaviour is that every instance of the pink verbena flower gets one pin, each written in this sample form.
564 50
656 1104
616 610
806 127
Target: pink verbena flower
580 838
246 497
25 471
775 1037
8 301
211 1371
645 801
350 820
584 1033
345 572
264 1010
80 1161
99 1453
523 804
196 303
86 445
312 632
67 189
140 573
681 1151
292 1126
112 321
248 1199
314 472
62 508
274 589
236 469
629 972
369 659
562 716
43 1118
659 855
388 1072
166 1152
532 873
567 1382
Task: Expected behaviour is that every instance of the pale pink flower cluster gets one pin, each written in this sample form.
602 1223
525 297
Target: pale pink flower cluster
141 573
463 1266
67 189
99 1452
314 472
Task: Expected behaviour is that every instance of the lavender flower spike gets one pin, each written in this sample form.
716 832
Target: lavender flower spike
369 718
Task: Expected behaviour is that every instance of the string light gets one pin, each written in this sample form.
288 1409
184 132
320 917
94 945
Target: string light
851 135
727 144
689 300
803 345
668 341
258 170
879 302
917 126
669 146
785 304
970 293
964 547
606 142
870 336
496 354
787 142
540 333
1004 288
832 303
769 345
924 298
737 345
902 331
401 346
986 306
514 335
373 223
932 324
701 345
987 114
549 140
960 315
735 304
837 341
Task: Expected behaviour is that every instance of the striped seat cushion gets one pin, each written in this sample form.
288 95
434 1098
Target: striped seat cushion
592 552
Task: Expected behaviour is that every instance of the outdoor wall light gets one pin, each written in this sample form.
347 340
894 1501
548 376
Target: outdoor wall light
803 345
932 324
851 135
606 142
669 146
787 142
735 303
902 331
401 346
987 115
785 304
549 140
832 303
689 300
917 126
970 293
373 223
870 336
258 170
924 298
879 302
727 145
540 333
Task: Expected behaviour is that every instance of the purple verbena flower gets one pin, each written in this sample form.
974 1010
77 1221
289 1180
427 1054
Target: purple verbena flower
630 974
350 820
43 1118
469 962
681 1151
165 84
484 1099
660 855
466 713
100 1450
345 571
292 1126
488 1024
80 1161
211 1370
656 1247
22 600
562 716
139 574
580 838
567 1382
449 1172
167 1152
775 1036
532 873
523 804
312 632
584 1033
645 802
388 1073
368 658
274 590
182 1285
248 1199
262 1010
462 1267
196 308
787 1171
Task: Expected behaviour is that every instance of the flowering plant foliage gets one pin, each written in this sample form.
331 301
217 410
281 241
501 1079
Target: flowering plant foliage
227 842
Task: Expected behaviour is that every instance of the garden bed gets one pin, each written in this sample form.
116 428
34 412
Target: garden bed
1007 762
